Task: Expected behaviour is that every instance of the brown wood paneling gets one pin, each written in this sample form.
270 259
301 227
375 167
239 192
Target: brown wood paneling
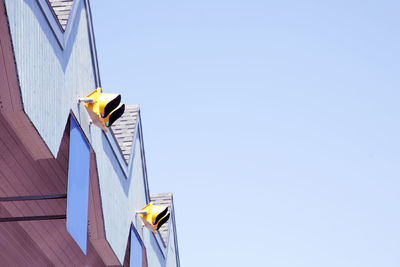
51 236
22 175
127 252
19 209
27 134
144 257
5 98
22 153
14 236
32 178
27 167
9 91
24 167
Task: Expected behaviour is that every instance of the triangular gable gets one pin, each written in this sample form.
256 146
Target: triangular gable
168 230
124 130
62 9
163 199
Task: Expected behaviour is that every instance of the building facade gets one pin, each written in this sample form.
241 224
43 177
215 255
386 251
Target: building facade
69 190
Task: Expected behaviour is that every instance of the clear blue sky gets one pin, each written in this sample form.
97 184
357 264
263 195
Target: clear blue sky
276 124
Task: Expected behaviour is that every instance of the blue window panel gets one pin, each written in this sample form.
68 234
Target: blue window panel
136 250
78 186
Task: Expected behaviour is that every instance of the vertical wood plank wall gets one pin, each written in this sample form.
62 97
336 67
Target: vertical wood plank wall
51 79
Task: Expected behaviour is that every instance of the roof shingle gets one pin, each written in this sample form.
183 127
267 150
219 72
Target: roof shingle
124 130
62 9
163 199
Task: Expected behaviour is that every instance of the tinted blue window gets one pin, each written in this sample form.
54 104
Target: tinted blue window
78 185
136 250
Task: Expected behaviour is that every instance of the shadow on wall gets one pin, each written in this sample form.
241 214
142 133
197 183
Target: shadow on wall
63 55
156 248
62 159
123 180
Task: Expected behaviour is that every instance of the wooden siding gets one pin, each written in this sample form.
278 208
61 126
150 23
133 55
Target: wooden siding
54 85
21 175
17 247
51 77
96 232
10 99
27 167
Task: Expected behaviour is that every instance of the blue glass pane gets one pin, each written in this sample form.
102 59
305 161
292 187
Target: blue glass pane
136 250
78 186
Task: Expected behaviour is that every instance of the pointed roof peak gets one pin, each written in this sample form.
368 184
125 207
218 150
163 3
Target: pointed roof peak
164 199
62 9
124 130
